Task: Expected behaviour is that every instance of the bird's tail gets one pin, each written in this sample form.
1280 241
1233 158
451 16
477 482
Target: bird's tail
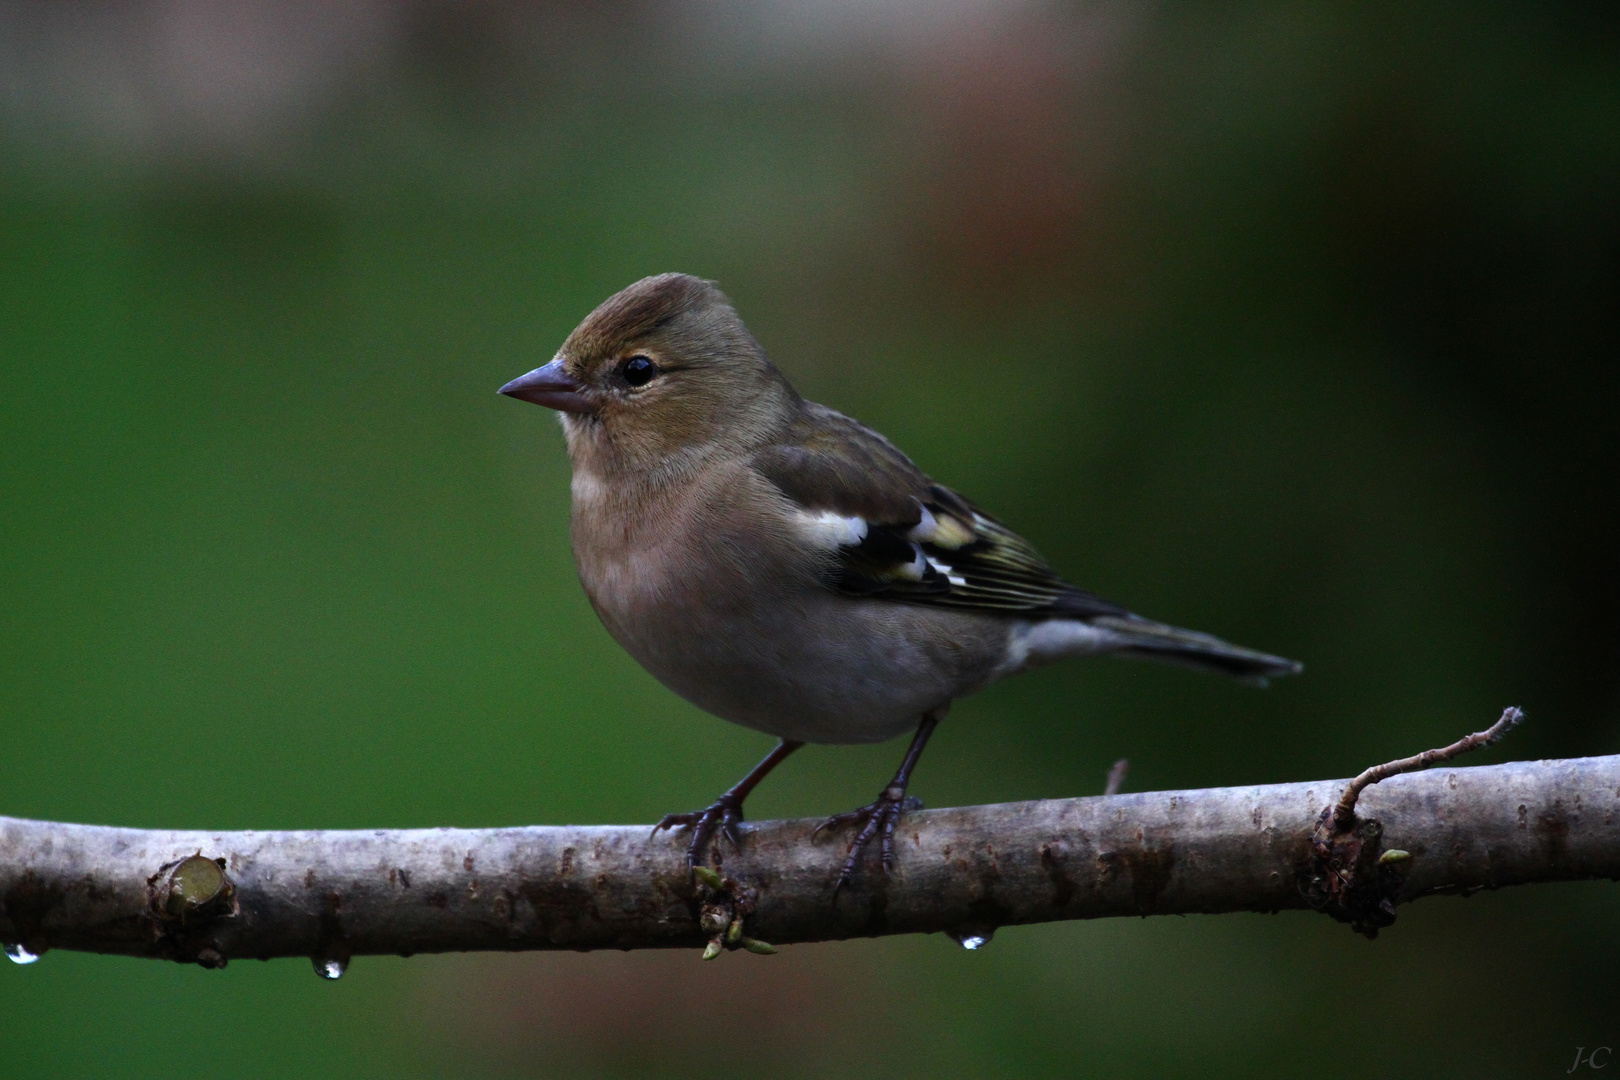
1139 637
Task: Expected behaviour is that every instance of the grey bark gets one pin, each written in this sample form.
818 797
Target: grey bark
964 871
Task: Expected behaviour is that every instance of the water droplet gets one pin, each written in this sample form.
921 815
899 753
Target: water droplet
19 955
970 941
330 967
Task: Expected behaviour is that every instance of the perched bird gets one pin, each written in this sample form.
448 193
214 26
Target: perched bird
786 567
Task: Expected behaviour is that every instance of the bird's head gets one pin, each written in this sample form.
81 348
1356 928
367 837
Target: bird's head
661 371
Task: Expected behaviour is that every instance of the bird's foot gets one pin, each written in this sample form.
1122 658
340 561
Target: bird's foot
877 818
723 818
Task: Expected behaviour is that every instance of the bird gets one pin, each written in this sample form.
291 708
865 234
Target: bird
787 568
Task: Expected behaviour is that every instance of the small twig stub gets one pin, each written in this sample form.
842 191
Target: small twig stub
1116 777
184 899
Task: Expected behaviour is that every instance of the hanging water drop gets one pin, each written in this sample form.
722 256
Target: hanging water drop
330 967
19 955
969 940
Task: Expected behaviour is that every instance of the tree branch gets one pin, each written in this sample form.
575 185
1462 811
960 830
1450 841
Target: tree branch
964 871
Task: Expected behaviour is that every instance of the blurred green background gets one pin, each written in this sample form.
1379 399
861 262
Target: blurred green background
1294 323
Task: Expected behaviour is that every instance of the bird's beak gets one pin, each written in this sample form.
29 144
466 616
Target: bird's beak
552 387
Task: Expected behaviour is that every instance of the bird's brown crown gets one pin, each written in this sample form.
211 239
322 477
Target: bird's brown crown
639 310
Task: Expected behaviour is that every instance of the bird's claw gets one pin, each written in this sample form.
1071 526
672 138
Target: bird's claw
722 817
878 817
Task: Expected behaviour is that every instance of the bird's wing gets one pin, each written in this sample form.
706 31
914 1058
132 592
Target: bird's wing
905 537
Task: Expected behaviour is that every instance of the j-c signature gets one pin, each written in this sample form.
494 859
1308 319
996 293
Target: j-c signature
1597 1059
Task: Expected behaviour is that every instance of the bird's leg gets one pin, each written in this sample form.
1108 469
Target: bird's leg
727 810
884 812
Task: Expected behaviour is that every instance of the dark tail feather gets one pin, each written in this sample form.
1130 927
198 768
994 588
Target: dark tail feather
1188 648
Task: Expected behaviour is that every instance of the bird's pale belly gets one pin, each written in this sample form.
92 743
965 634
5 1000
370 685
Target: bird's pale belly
817 667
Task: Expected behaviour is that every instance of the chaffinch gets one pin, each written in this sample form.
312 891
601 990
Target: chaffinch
786 567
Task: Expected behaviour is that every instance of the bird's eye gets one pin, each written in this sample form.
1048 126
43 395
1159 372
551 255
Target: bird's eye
639 371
